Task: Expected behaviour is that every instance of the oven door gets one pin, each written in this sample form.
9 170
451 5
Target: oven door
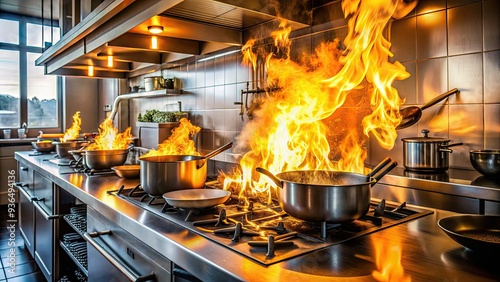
115 255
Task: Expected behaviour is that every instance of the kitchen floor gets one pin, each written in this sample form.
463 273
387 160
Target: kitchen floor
12 250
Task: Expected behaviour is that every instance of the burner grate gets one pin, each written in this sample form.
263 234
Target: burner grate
264 233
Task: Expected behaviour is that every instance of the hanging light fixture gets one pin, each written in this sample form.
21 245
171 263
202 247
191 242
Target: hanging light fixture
154 42
110 61
90 71
155 29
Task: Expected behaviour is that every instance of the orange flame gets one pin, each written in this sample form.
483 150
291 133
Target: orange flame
249 57
388 260
327 105
179 143
73 132
109 138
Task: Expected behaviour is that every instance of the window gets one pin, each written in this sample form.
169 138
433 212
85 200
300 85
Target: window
26 94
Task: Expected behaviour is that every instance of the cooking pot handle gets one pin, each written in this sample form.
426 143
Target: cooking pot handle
384 171
215 152
444 148
378 167
270 175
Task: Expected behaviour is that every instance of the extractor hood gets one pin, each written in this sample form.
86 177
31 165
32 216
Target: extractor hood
119 28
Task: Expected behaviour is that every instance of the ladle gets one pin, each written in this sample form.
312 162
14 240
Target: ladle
413 114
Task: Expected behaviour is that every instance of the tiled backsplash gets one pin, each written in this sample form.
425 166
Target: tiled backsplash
443 45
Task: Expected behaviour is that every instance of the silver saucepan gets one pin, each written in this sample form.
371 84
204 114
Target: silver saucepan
327 196
161 174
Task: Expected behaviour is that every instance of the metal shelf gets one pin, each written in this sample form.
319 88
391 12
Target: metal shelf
81 265
76 222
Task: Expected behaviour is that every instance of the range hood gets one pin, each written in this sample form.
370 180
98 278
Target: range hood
191 27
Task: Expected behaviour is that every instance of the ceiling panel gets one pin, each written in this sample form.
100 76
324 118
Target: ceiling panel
32 8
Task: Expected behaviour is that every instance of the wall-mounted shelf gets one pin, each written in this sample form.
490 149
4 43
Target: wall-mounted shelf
156 92
144 94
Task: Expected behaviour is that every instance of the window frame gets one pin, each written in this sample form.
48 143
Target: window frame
23 50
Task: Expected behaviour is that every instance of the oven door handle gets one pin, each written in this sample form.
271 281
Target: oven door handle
45 215
126 271
20 186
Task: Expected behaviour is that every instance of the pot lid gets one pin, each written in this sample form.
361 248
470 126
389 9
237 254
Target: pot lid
425 138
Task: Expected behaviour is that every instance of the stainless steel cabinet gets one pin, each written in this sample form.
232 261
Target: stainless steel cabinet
7 165
43 201
40 202
116 255
26 211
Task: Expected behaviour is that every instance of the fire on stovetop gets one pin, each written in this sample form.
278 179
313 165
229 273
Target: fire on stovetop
327 105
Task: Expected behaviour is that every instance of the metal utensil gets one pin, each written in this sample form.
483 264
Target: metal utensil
413 114
487 162
196 198
127 171
480 233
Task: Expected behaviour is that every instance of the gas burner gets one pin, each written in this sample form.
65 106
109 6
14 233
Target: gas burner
60 161
141 196
264 232
97 172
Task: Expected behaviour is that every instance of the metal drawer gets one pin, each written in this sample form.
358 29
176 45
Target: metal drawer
115 255
25 177
43 193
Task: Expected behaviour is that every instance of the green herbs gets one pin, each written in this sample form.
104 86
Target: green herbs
161 117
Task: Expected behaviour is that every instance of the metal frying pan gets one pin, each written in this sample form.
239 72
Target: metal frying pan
196 198
480 233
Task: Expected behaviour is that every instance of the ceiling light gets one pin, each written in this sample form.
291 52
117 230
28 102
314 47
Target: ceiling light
155 29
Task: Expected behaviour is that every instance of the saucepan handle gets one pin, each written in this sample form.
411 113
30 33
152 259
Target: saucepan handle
377 176
215 152
380 166
269 174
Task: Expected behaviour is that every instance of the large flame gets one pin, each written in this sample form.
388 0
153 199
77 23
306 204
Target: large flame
305 124
73 132
109 138
179 143
388 260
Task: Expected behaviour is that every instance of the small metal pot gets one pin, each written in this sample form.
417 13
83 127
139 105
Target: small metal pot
161 174
427 153
154 83
63 148
104 159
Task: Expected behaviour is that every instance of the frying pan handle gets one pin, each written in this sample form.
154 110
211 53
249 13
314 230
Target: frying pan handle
384 171
270 175
439 98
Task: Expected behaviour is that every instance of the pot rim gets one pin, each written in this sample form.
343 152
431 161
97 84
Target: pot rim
171 158
488 151
369 182
425 140
105 152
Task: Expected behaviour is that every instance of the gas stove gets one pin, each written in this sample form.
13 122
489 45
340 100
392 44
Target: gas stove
263 232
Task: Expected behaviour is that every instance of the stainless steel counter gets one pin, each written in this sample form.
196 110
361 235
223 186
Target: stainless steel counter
427 254
459 190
